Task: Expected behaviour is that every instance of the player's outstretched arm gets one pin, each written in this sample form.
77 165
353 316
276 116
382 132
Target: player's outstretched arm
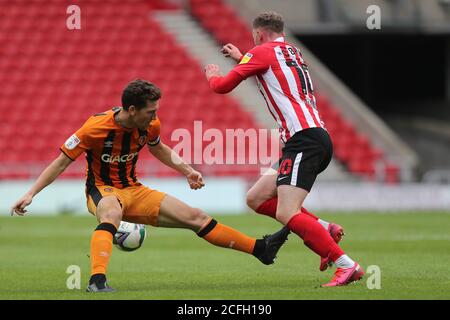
46 177
220 84
255 62
170 158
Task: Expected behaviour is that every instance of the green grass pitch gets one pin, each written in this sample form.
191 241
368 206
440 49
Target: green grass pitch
411 249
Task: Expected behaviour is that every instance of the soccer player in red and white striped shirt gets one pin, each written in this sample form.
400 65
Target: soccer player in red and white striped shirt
284 81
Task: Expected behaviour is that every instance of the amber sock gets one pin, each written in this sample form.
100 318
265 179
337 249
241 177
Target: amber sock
101 247
226 237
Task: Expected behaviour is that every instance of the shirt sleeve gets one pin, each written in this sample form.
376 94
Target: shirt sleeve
253 62
227 83
77 143
154 133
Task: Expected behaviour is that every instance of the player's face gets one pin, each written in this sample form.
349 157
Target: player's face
144 116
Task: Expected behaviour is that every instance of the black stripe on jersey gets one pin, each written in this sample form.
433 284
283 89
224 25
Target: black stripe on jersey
90 181
294 64
126 146
133 168
107 149
91 189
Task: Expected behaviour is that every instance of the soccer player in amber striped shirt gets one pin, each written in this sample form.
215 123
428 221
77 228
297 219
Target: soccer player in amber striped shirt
112 141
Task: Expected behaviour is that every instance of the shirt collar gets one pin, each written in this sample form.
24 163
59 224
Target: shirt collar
279 39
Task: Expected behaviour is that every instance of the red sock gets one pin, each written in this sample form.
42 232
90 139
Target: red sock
269 208
303 210
315 236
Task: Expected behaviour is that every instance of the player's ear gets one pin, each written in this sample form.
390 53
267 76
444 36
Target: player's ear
260 36
131 109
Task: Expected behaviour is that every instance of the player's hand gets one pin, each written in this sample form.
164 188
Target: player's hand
195 180
212 70
19 206
231 51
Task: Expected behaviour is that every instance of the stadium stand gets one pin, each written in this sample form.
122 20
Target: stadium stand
54 78
341 16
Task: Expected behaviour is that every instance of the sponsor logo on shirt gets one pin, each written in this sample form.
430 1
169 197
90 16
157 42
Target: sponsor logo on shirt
246 58
111 159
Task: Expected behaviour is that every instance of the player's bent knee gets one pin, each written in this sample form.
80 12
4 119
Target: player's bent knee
250 200
253 200
110 216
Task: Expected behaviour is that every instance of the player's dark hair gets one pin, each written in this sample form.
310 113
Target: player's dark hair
138 92
270 21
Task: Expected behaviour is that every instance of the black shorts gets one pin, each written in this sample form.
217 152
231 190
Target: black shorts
306 154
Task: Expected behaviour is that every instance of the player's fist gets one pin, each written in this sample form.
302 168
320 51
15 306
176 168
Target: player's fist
212 70
195 180
231 51
19 206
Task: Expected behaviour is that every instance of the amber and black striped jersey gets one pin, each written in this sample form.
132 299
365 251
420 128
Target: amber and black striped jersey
111 150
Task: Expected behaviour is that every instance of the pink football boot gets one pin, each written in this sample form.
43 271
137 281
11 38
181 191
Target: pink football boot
343 277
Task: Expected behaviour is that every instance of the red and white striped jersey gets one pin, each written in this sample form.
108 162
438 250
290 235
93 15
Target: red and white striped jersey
284 81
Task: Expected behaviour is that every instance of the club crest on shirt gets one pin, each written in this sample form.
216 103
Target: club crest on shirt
246 58
142 140
72 142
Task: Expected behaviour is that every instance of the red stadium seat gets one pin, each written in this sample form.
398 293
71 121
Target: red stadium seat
392 173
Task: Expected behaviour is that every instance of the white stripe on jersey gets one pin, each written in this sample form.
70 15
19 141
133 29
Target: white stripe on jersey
297 160
293 87
282 102
272 110
285 97
310 85
316 113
